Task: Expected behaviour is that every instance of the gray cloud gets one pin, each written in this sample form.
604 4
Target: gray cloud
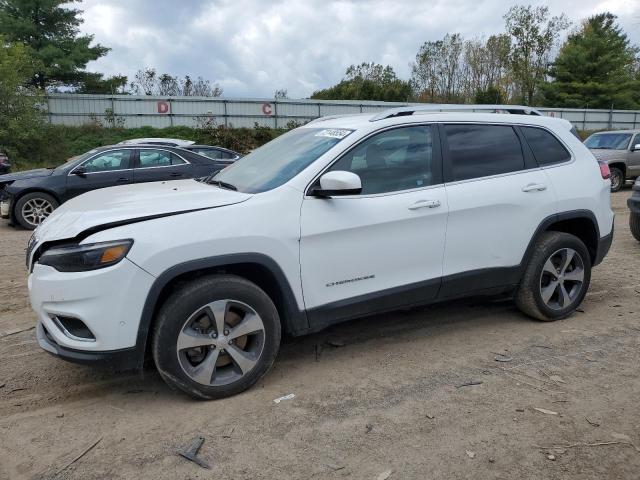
253 47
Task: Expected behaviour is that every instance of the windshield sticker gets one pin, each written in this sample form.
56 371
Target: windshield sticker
334 133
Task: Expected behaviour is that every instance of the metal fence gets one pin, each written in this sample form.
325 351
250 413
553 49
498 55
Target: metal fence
137 111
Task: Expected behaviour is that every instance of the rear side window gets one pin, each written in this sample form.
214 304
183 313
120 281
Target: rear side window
546 148
483 150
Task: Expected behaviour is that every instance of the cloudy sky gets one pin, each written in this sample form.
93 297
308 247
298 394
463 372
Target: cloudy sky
253 47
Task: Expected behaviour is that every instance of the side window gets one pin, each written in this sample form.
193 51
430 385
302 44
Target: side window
209 152
226 155
158 158
113 160
546 148
636 141
399 159
483 150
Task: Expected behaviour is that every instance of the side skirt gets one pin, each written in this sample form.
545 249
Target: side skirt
485 282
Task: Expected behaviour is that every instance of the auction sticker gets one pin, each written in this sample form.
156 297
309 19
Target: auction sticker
334 133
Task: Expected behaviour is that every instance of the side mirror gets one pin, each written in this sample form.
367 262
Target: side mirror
636 147
338 183
80 171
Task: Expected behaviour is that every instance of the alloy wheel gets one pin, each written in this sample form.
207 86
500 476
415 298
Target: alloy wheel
562 278
220 342
36 210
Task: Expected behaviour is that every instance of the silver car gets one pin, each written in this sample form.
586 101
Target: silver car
621 150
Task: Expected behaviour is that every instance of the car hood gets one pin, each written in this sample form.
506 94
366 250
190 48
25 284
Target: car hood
38 172
130 204
607 155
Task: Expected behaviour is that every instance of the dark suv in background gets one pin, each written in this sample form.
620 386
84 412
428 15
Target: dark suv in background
28 197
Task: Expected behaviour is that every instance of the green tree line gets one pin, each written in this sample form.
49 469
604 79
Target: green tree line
595 67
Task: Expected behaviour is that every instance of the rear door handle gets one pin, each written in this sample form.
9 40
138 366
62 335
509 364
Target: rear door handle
534 187
425 204
175 174
123 180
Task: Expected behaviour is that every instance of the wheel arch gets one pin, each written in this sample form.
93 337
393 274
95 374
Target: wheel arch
620 166
257 268
581 223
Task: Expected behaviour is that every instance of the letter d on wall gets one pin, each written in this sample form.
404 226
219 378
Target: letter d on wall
163 107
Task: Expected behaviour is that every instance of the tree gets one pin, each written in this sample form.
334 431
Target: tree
533 36
51 31
437 73
367 81
96 83
148 82
596 67
280 94
20 114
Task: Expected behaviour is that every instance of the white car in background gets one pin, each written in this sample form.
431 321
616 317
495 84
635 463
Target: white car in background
171 142
338 219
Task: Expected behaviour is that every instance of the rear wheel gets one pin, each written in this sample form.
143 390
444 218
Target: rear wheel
216 336
634 224
33 208
556 278
617 179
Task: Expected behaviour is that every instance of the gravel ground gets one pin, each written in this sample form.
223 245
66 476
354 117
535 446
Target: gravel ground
374 396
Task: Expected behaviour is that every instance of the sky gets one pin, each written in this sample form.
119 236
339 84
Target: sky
253 47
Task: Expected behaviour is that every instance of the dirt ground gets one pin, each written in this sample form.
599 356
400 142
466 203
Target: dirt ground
374 396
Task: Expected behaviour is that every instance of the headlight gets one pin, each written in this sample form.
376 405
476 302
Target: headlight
81 258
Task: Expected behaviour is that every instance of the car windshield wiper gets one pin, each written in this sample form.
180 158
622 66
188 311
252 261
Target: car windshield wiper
222 184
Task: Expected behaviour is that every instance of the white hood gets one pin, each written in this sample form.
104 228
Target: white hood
130 202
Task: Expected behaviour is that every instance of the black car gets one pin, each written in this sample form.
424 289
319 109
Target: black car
634 205
27 198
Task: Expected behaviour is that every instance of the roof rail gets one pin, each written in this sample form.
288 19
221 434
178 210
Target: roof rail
331 117
434 107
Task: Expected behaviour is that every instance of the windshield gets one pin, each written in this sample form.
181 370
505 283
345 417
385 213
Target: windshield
608 141
71 160
278 161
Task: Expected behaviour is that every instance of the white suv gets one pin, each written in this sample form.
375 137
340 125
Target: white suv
341 218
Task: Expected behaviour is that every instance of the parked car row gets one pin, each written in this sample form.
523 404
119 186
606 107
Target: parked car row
28 197
341 218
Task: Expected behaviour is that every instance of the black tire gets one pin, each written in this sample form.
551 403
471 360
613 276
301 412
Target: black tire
192 297
634 224
528 296
29 222
617 179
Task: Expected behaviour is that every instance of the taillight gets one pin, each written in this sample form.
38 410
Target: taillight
604 169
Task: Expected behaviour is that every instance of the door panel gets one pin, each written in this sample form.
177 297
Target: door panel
382 248
108 169
633 158
356 246
491 218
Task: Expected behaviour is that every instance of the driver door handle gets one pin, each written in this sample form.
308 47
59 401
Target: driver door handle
425 204
123 180
534 187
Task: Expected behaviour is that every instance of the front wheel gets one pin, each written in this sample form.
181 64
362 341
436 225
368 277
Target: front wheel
216 336
33 208
556 279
